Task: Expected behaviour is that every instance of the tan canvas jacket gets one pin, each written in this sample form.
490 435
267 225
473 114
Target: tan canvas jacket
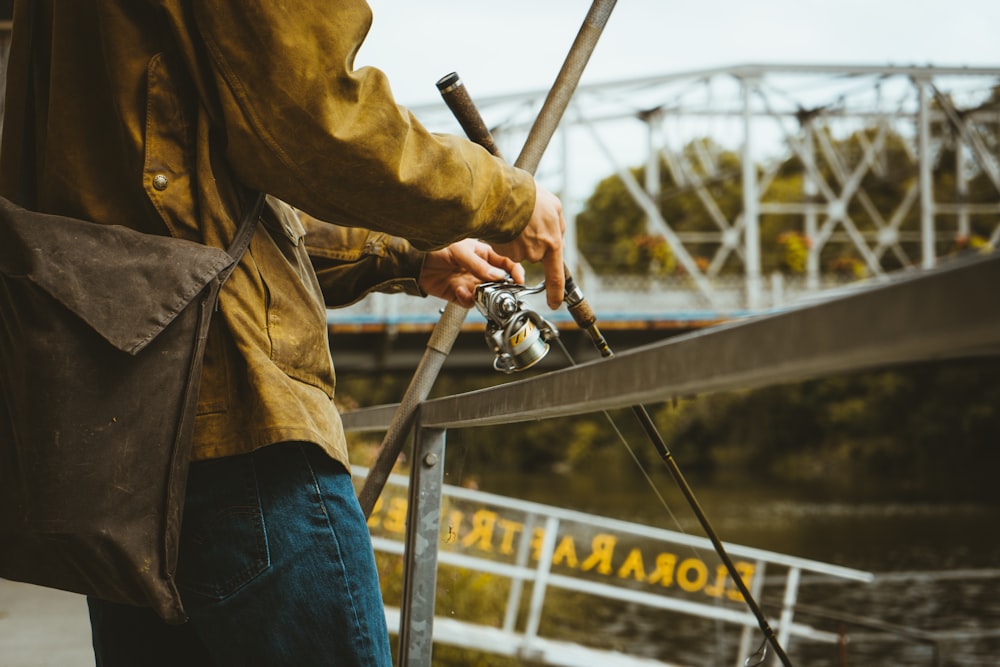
158 114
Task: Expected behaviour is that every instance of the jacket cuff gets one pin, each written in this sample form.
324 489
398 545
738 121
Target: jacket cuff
408 262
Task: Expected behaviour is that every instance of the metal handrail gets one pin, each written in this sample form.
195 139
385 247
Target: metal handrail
944 312
922 314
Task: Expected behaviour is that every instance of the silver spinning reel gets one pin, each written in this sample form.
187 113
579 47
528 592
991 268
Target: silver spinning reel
517 335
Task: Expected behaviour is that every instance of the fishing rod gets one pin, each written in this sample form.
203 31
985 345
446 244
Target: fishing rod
450 324
520 338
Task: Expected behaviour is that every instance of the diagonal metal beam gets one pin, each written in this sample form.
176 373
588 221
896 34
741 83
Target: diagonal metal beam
653 214
969 136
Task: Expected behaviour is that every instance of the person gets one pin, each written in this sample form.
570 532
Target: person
164 115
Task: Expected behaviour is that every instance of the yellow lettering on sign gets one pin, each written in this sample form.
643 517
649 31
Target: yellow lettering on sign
664 572
537 539
483 522
684 571
719 587
633 566
691 575
565 550
510 530
746 571
602 549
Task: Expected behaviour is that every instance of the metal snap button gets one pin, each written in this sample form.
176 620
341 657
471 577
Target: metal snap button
160 182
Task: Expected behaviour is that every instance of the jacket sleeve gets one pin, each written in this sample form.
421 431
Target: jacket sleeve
351 262
303 124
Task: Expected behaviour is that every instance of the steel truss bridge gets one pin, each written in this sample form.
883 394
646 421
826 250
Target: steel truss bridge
768 114
944 121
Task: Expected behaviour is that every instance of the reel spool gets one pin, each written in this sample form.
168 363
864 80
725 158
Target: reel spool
517 335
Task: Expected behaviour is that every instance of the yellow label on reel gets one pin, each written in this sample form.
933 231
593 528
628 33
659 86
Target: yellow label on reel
522 334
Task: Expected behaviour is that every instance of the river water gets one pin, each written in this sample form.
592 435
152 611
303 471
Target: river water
935 599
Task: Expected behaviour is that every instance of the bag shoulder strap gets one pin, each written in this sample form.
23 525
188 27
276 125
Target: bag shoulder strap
241 240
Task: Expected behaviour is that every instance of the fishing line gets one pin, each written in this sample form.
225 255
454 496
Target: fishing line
759 656
628 447
520 338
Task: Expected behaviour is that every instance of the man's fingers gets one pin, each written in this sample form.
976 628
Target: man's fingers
506 264
555 278
486 264
517 273
463 295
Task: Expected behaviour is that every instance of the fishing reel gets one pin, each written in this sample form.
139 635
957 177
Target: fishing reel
517 335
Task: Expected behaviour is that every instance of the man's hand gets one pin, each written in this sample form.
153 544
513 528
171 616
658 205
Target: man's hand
542 241
453 273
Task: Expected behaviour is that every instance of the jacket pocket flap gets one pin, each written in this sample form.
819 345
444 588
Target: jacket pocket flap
126 285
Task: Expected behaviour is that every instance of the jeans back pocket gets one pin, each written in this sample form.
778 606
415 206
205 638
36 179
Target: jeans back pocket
223 537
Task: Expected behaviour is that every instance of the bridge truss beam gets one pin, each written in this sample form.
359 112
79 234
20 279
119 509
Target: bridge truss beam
769 115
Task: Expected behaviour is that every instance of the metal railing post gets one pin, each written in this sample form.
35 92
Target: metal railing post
748 632
517 584
420 556
788 605
541 582
751 201
925 165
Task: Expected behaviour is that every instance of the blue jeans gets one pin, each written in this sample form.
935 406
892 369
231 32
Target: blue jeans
276 568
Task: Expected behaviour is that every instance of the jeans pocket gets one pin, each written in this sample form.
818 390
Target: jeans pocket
223 537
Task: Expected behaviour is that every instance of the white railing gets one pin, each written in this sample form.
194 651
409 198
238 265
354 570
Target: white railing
520 542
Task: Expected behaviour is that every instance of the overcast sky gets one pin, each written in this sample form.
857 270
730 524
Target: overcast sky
501 46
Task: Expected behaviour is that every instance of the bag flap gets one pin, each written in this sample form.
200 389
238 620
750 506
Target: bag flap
128 286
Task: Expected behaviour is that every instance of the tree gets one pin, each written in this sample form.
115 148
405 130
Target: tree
614 235
612 230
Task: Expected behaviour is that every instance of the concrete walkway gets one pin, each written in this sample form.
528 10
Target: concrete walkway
42 627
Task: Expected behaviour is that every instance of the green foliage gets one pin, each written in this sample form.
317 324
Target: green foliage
796 251
612 229
613 232
608 224
919 430
924 430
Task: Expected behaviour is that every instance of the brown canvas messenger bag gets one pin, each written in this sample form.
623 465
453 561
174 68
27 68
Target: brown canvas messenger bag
102 334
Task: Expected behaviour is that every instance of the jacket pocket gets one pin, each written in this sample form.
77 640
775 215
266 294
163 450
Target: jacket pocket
296 315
